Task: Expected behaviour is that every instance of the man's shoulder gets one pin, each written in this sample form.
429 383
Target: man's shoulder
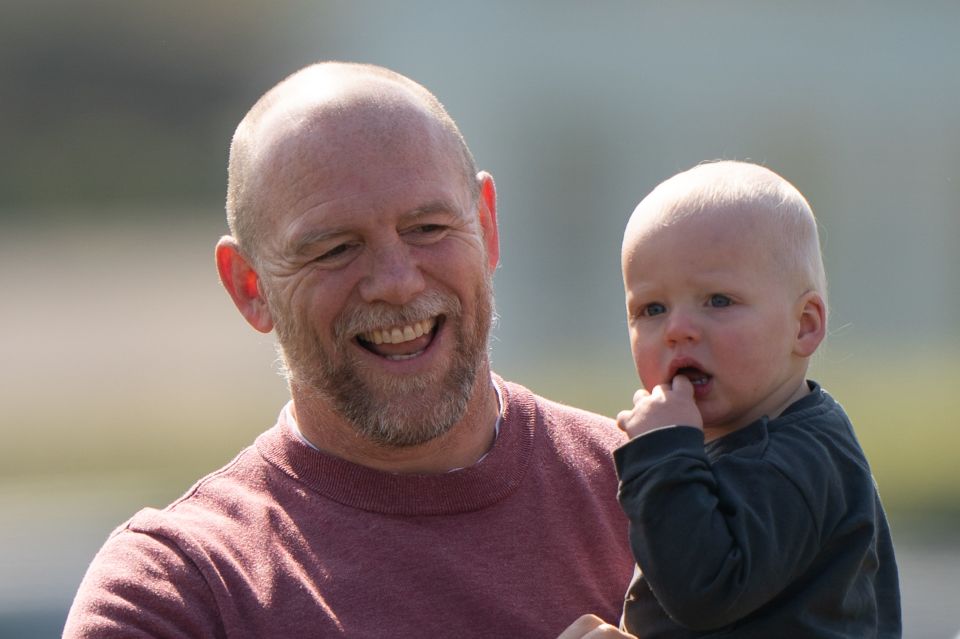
212 502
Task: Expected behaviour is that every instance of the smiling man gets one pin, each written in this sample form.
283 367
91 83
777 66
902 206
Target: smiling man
372 246
405 490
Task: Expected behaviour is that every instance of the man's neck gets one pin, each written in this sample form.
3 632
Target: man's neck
462 446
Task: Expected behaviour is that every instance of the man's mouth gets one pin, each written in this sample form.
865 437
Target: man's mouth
399 334
400 342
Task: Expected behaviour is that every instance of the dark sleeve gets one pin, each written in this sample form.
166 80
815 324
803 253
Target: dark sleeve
714 542
140 586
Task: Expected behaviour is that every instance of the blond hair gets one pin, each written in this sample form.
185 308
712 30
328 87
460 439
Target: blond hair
730 186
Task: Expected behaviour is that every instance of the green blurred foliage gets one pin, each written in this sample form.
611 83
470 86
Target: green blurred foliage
112 102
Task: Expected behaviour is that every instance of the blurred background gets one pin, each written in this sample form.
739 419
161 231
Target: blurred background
126 373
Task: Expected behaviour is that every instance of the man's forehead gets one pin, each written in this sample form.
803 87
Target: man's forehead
340 181
344 132
321 140
314 97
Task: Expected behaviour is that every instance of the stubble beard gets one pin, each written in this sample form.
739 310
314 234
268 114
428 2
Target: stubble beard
389 410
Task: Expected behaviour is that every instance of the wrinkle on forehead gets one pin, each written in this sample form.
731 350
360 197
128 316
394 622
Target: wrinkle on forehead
285 152
356 165
324 137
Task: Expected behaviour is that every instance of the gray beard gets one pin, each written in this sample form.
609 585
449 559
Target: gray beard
395 412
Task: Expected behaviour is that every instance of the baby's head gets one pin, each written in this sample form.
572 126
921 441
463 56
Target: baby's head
725 285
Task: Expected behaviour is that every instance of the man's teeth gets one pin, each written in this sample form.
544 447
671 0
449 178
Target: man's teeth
399 334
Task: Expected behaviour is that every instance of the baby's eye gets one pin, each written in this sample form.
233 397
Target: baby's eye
718 300
654 308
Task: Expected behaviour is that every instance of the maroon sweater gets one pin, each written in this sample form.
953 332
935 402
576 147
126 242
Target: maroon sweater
289 542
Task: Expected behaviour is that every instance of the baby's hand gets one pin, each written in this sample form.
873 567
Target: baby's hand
666 405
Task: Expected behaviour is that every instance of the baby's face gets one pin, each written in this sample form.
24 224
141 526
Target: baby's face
706 300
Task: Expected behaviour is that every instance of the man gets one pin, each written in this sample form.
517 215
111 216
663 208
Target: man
405 490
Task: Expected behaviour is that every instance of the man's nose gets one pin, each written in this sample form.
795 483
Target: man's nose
393 276
682 327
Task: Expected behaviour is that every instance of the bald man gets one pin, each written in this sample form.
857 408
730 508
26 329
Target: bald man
405 490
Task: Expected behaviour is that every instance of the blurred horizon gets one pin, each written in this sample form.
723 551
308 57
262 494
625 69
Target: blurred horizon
128 373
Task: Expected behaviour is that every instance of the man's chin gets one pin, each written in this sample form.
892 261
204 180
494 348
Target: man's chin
406 424
395 412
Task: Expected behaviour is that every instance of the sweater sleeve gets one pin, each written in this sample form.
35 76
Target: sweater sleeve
714 542
138 586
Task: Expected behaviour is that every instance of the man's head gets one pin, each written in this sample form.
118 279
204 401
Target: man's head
363 234
725 284
314 92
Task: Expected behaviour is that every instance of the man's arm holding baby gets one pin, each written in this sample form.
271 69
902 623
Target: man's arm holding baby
593 627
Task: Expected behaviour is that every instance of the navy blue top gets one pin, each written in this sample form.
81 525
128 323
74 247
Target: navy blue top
775 530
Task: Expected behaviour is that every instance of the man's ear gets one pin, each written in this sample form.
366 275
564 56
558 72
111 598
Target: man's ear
487 211
243 284
812 323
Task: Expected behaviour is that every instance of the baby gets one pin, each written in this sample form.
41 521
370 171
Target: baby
752 509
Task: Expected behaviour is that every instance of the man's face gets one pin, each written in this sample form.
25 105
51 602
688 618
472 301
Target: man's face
705 300
376 272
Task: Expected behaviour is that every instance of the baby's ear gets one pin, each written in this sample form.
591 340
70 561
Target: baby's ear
812 323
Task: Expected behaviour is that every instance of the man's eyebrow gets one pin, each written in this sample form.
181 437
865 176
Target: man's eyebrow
302 244
436 206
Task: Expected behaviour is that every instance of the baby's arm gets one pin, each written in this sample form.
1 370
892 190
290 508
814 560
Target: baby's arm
666 405
714 544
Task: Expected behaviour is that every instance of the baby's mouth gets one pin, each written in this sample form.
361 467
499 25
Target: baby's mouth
403 341
696 376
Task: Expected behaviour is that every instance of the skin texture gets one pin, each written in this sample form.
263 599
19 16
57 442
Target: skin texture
366 222
710 300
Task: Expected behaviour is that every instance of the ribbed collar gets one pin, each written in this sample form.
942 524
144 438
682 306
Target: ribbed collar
478 486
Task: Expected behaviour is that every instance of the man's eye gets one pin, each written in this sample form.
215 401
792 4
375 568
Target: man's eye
718 300
334 253
426 232
656 308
